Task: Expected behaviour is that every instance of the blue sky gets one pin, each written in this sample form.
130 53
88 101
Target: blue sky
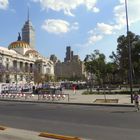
85 25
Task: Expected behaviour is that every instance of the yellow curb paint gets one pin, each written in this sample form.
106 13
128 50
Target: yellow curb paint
2 128
57 136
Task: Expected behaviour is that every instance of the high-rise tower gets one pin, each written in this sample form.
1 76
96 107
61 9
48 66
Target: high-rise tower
69 54
28 32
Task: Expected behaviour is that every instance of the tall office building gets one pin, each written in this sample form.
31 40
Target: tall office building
69 54
28 33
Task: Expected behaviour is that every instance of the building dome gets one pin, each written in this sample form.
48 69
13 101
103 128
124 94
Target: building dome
18 44
34 52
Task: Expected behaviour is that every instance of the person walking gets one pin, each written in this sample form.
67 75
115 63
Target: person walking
74 89
136 101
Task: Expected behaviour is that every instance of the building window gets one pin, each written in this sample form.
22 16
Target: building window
7 66
1 77
15 77
21 77
26 67
15 64
47 70
21 66
39 68
7 78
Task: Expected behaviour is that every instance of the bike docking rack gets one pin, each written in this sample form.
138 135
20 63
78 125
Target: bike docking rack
16 96
53 97
22 96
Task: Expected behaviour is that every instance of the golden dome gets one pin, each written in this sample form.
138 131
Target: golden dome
18 44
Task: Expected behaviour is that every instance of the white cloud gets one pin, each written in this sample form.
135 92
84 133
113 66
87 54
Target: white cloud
99 32
75 26
67 5
119 13
58 26
133 13
90 4
96 10
94 38
4 4
105 28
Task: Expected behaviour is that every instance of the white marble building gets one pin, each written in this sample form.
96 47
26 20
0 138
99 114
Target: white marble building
21 63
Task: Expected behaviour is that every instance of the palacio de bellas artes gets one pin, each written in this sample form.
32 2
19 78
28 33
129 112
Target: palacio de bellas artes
20 63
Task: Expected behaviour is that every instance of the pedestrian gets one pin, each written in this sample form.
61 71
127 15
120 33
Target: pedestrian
74 89
33 89
136 101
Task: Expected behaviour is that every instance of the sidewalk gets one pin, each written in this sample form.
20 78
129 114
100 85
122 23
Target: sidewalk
20 134
123 100
76 98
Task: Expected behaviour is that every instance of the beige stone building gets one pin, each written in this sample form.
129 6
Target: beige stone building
71 68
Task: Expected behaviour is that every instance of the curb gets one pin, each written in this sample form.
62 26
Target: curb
68 103
51 135
57 136
2 128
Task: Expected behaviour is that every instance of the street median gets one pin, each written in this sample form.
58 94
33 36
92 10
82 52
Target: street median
57 136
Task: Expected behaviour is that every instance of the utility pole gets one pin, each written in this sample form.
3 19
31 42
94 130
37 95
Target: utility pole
129 53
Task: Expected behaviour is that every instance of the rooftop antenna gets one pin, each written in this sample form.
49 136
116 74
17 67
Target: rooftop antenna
28 14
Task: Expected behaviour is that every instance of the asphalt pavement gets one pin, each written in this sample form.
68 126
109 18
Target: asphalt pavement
75 98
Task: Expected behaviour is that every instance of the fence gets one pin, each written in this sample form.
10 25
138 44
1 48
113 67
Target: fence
30 96
53 97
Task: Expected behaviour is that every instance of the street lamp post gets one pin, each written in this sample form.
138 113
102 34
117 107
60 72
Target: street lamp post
129 51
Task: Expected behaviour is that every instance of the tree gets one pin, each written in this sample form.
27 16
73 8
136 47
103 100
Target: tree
95 66
111 72
121 58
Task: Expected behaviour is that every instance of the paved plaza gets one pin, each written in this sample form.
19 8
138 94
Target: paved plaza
68 96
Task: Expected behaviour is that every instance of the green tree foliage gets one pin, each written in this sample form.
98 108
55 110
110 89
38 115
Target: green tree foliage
104 72
121 58
117 70
95 64
111 73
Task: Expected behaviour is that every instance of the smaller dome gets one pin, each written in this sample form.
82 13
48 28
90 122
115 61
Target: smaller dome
18 44
31 52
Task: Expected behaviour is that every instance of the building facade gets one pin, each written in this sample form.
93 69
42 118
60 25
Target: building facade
21 63
71 68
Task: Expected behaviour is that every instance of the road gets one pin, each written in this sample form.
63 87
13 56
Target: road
92 122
